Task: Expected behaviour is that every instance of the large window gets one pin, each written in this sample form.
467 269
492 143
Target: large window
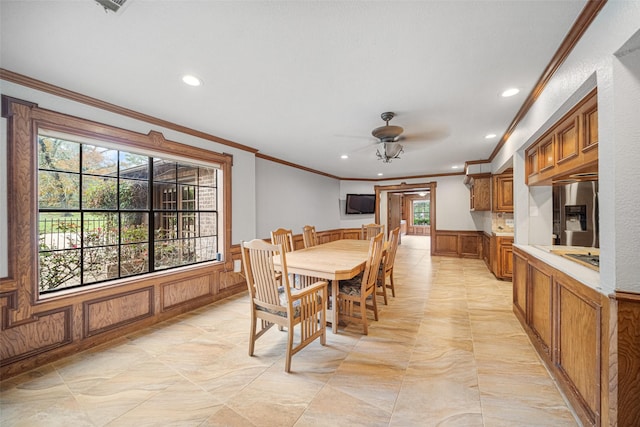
421 212
107 213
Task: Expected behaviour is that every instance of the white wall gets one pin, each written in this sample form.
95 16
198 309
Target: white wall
291 198
593 62
243 171
626 200
354 187
3 198
452 202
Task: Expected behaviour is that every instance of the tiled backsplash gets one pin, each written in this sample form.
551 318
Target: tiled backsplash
502 222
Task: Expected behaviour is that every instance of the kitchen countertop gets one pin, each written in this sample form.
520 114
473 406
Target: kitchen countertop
552 255
503 233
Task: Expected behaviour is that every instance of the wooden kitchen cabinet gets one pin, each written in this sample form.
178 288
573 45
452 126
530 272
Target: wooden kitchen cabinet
568 149
501 256
479 192
503 192
589 126
566 322
486 250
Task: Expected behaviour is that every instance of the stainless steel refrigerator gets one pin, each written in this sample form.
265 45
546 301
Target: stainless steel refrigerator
575 214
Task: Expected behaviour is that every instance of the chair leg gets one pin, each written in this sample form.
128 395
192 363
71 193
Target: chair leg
384 291
287 365
363 314
375 307
252 333
393 287
323 325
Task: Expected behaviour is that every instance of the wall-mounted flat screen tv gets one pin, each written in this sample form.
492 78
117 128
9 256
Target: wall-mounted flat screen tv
361 204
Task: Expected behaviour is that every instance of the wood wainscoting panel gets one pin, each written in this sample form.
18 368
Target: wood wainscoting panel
520 272
113 311
578 343
628 359
540 306
45 332
446 243
463 244
353 234
176 293
469 245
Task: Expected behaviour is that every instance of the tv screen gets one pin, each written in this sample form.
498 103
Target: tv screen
361 204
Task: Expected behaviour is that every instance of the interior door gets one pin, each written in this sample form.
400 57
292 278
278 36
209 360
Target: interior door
394 203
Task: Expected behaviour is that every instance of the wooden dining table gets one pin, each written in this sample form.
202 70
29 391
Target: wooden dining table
333 261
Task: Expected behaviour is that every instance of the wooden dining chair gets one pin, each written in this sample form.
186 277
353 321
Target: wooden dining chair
276 304
309 236
369 231
386 266
354 294
283 237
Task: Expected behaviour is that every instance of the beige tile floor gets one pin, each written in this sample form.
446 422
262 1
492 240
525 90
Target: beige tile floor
447 351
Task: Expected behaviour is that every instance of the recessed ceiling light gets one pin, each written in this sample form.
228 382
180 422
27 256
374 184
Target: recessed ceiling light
191 80
455 167
380 174
490 135
344 156
510 92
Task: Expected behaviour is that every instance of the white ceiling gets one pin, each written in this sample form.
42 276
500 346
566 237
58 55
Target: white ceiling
303 81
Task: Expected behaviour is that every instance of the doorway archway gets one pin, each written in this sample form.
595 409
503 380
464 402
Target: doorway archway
428 187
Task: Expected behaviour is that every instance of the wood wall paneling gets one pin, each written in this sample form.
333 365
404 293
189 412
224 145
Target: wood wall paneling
446 243
45 332
469 245
520 278
579 322
37 330
186 290
117 310
540 306
463 244
578 345
628 396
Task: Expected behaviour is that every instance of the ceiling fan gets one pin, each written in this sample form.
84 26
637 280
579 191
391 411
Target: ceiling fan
388 135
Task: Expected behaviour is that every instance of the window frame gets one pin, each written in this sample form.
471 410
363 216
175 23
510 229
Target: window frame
427 211
160 175
22 160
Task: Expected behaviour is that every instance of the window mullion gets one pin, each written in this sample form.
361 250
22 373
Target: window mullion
151 212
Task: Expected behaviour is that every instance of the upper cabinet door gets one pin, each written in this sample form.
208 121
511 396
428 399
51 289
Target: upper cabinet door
569 149
503 193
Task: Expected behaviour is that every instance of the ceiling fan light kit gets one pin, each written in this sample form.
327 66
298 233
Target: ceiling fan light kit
388 136
392 150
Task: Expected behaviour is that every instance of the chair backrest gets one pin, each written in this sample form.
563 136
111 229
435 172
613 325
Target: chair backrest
372 266
263 280
390 256
309 236
283 237
369 231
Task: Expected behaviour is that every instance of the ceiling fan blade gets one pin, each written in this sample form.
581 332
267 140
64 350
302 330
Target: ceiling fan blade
353 136
434 134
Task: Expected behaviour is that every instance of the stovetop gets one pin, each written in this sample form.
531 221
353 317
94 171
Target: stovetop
588 258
